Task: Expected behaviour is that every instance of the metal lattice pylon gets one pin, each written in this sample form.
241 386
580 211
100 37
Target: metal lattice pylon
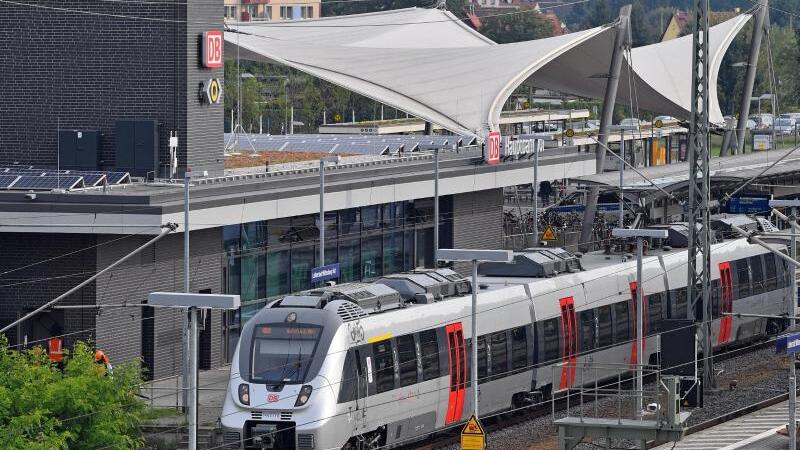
699 260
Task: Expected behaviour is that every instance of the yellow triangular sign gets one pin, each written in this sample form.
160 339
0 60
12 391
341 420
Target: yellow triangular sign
549 234
472 436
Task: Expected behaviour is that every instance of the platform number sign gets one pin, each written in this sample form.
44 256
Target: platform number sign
211 49
493 148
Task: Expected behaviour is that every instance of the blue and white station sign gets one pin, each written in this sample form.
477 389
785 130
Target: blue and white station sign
788 344
325 273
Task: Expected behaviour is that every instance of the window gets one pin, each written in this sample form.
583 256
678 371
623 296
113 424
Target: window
429 347
303 260
371 260
621 323
392 252
384 366
716 294
604 331
407 358
551 350
499 355
654 307
771 272
757 272
519 348
278 273
679 304
286 12
481 359
349 260
282 354
742 279
586 321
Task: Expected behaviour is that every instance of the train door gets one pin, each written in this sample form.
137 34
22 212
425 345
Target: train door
569 342
635 333
458 372
726 301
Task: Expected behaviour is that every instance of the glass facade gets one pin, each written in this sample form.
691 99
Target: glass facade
266 259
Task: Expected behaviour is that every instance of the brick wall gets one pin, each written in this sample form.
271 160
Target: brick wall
160 268
35 269
73 70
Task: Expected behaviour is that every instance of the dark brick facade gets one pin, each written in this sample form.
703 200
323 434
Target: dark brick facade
86 71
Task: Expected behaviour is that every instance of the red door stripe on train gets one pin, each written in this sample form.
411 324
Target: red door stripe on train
632 315
458 370
726 301
569 342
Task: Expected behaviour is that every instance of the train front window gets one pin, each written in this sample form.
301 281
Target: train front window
282 353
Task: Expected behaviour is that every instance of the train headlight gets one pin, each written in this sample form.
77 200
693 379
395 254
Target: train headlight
244 393
303 396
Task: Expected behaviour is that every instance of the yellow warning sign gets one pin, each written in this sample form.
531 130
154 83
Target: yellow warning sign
549 234
569 132
472 436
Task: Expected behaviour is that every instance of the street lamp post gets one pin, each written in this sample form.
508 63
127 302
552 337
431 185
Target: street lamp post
322 162
436 148
640 235
475 257
193 302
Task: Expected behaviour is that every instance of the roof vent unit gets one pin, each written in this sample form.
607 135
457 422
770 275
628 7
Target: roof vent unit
301 301
427 285
346 310
534 263
371 298
677 234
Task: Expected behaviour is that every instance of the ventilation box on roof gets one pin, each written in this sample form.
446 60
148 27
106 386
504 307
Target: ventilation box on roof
427 285
535 263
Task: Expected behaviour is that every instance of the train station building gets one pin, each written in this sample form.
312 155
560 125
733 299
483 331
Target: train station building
102 87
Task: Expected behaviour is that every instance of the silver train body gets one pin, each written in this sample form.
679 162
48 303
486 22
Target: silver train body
319 371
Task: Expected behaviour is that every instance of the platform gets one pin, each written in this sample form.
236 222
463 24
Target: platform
757 430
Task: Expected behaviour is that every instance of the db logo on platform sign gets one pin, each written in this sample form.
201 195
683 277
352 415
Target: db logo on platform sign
493 148
272 398
212 49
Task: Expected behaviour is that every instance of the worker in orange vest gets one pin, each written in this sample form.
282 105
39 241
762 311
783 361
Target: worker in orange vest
55 351
103 360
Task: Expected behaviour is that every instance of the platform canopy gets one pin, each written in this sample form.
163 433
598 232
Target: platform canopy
429 64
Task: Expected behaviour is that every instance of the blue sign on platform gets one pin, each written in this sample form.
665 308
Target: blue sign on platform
748 205
325 273
788 344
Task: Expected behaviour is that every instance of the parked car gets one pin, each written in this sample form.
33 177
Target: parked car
665 119
785 127
631 123
762 120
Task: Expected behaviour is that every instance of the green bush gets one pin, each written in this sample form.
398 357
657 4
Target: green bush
43 408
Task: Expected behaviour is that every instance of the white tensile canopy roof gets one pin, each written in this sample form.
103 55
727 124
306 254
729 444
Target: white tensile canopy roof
429 64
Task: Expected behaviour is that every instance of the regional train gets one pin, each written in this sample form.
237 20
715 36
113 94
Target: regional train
373 365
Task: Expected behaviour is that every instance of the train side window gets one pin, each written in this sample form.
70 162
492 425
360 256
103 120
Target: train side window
680 303
742 278
519 348
716 293
429 347
482 359
552 348
499 355
604 331
349 379
384 366
770 272
407 357
757 273
622 322
587 330
654 311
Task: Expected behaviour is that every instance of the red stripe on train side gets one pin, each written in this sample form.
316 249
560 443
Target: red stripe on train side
634 356
726 302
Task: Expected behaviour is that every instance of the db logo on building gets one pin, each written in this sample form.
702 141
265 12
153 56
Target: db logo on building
493 148
211 50
272 398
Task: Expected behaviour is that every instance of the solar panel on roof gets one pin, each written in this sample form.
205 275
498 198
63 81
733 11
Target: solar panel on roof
7 180
118 177
90 178
48 182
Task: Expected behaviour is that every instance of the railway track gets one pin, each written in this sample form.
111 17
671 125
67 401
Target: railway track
498 422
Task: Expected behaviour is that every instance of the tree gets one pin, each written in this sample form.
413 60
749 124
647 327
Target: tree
81 408
524 26
252 98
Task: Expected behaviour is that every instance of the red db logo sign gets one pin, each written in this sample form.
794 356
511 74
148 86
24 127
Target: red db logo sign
272 398
493 148
212 49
